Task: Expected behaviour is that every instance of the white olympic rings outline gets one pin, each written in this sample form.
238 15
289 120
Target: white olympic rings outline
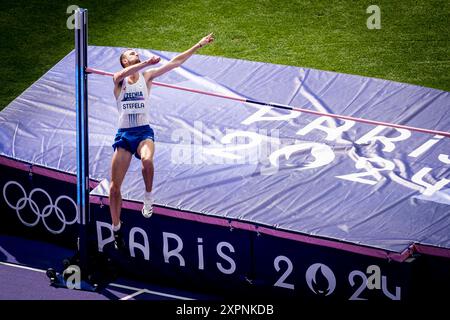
46 211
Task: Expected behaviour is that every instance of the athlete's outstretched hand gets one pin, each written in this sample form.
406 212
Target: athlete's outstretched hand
206 40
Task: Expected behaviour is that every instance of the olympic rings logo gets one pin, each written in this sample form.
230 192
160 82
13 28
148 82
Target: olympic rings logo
46 211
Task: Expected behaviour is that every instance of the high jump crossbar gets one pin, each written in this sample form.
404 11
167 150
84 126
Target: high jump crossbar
288 107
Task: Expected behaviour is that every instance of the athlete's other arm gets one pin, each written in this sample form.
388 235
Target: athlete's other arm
178 60
125 72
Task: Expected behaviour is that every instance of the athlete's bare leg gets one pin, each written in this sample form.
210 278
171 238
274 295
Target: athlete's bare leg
120 163
146 149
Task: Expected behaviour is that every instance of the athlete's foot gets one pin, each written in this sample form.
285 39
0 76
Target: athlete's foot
147 209
119 243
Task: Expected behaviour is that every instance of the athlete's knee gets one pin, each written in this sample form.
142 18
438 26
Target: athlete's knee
147 163
114 190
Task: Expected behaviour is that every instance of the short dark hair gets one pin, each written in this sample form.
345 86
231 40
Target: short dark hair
122 56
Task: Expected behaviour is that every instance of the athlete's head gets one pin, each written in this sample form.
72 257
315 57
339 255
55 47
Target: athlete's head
129 57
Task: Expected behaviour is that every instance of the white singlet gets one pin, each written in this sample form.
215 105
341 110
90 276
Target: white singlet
132 103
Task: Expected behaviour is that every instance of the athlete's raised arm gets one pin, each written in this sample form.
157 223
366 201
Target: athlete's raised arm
178 60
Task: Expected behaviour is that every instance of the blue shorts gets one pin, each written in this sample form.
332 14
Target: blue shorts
129 138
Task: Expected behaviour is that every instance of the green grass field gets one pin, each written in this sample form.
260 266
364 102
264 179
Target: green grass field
412 46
